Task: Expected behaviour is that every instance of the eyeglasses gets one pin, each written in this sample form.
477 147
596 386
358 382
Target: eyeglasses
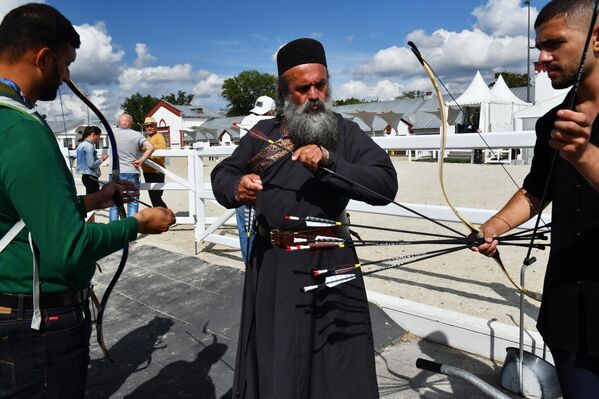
150 125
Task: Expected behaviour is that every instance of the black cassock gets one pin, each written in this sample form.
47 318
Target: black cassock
294 344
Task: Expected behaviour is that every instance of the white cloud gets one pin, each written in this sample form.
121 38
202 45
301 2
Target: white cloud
494 43
350 38
145 78
382 90
97 60
7 5
493 19
73 108
143 54
449 53
209 86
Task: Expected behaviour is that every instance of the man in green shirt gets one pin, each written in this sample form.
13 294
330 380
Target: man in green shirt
46 266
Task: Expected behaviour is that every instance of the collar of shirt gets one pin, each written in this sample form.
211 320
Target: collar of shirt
17 90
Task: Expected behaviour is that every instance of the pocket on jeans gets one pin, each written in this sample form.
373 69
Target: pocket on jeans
60 321
8 380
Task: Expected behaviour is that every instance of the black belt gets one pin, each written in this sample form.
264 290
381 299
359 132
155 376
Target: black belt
47 301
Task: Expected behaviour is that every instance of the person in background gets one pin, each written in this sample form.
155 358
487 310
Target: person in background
264 108
152 175
130 145
88 163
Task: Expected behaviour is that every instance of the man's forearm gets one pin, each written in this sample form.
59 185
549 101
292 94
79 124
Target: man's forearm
519 209
145 155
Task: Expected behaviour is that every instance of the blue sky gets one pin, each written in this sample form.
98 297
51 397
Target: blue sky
158 48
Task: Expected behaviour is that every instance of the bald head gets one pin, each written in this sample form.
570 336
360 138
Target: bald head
125 121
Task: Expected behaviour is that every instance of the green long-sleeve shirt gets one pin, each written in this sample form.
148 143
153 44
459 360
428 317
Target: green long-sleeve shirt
38 187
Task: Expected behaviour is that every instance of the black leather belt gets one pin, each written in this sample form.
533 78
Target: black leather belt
47 301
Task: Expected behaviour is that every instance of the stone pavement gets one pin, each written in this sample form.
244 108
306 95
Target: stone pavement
171 327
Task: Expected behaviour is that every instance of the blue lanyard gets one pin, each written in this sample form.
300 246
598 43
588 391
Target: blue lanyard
17 90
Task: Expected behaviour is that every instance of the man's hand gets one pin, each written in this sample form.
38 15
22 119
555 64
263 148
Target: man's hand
155 220
248 189
105 197
489 247
571 135
311 156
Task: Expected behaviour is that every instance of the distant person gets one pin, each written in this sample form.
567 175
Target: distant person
47 248
264 108
88 163
152 175
130 145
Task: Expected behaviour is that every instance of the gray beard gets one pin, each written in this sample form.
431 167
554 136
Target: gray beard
312 127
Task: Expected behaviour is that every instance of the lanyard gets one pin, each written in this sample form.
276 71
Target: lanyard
17 90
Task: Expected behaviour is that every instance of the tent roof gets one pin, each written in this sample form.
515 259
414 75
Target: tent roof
501 90
541 108
477 93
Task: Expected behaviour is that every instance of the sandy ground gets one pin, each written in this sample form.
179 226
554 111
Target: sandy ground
464 281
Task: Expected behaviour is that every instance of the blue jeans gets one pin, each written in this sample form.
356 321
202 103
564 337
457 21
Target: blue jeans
49 363
133 206
242 227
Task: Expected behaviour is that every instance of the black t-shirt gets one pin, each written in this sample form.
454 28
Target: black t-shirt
569 316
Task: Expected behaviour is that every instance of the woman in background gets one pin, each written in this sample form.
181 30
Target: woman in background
88 163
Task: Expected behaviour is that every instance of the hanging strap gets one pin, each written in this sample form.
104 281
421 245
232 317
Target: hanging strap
11 234
7 239
36 321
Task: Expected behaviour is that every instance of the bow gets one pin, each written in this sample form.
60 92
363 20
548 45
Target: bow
473 229
319 222
118 200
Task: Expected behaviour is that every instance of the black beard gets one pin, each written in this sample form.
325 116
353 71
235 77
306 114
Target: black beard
307 126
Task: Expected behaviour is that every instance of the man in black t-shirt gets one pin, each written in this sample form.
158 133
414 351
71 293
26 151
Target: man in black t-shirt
569 315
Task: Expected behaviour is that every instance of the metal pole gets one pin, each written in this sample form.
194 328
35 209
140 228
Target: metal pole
527 2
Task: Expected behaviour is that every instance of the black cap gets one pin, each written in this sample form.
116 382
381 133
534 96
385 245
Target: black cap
298 52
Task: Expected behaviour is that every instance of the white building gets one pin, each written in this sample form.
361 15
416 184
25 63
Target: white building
175 120
68 132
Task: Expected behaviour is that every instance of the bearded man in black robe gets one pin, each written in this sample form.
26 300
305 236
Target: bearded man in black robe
294 344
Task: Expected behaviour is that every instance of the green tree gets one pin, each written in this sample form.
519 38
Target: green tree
241 91
348 101
513 79
181 98
411 94
138 106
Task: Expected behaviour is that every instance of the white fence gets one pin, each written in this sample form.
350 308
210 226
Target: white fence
200 191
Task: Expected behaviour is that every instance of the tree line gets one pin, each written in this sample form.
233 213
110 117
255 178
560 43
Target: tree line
241 92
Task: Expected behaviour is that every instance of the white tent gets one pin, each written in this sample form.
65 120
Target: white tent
366 116
546 98
501 90
495 112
